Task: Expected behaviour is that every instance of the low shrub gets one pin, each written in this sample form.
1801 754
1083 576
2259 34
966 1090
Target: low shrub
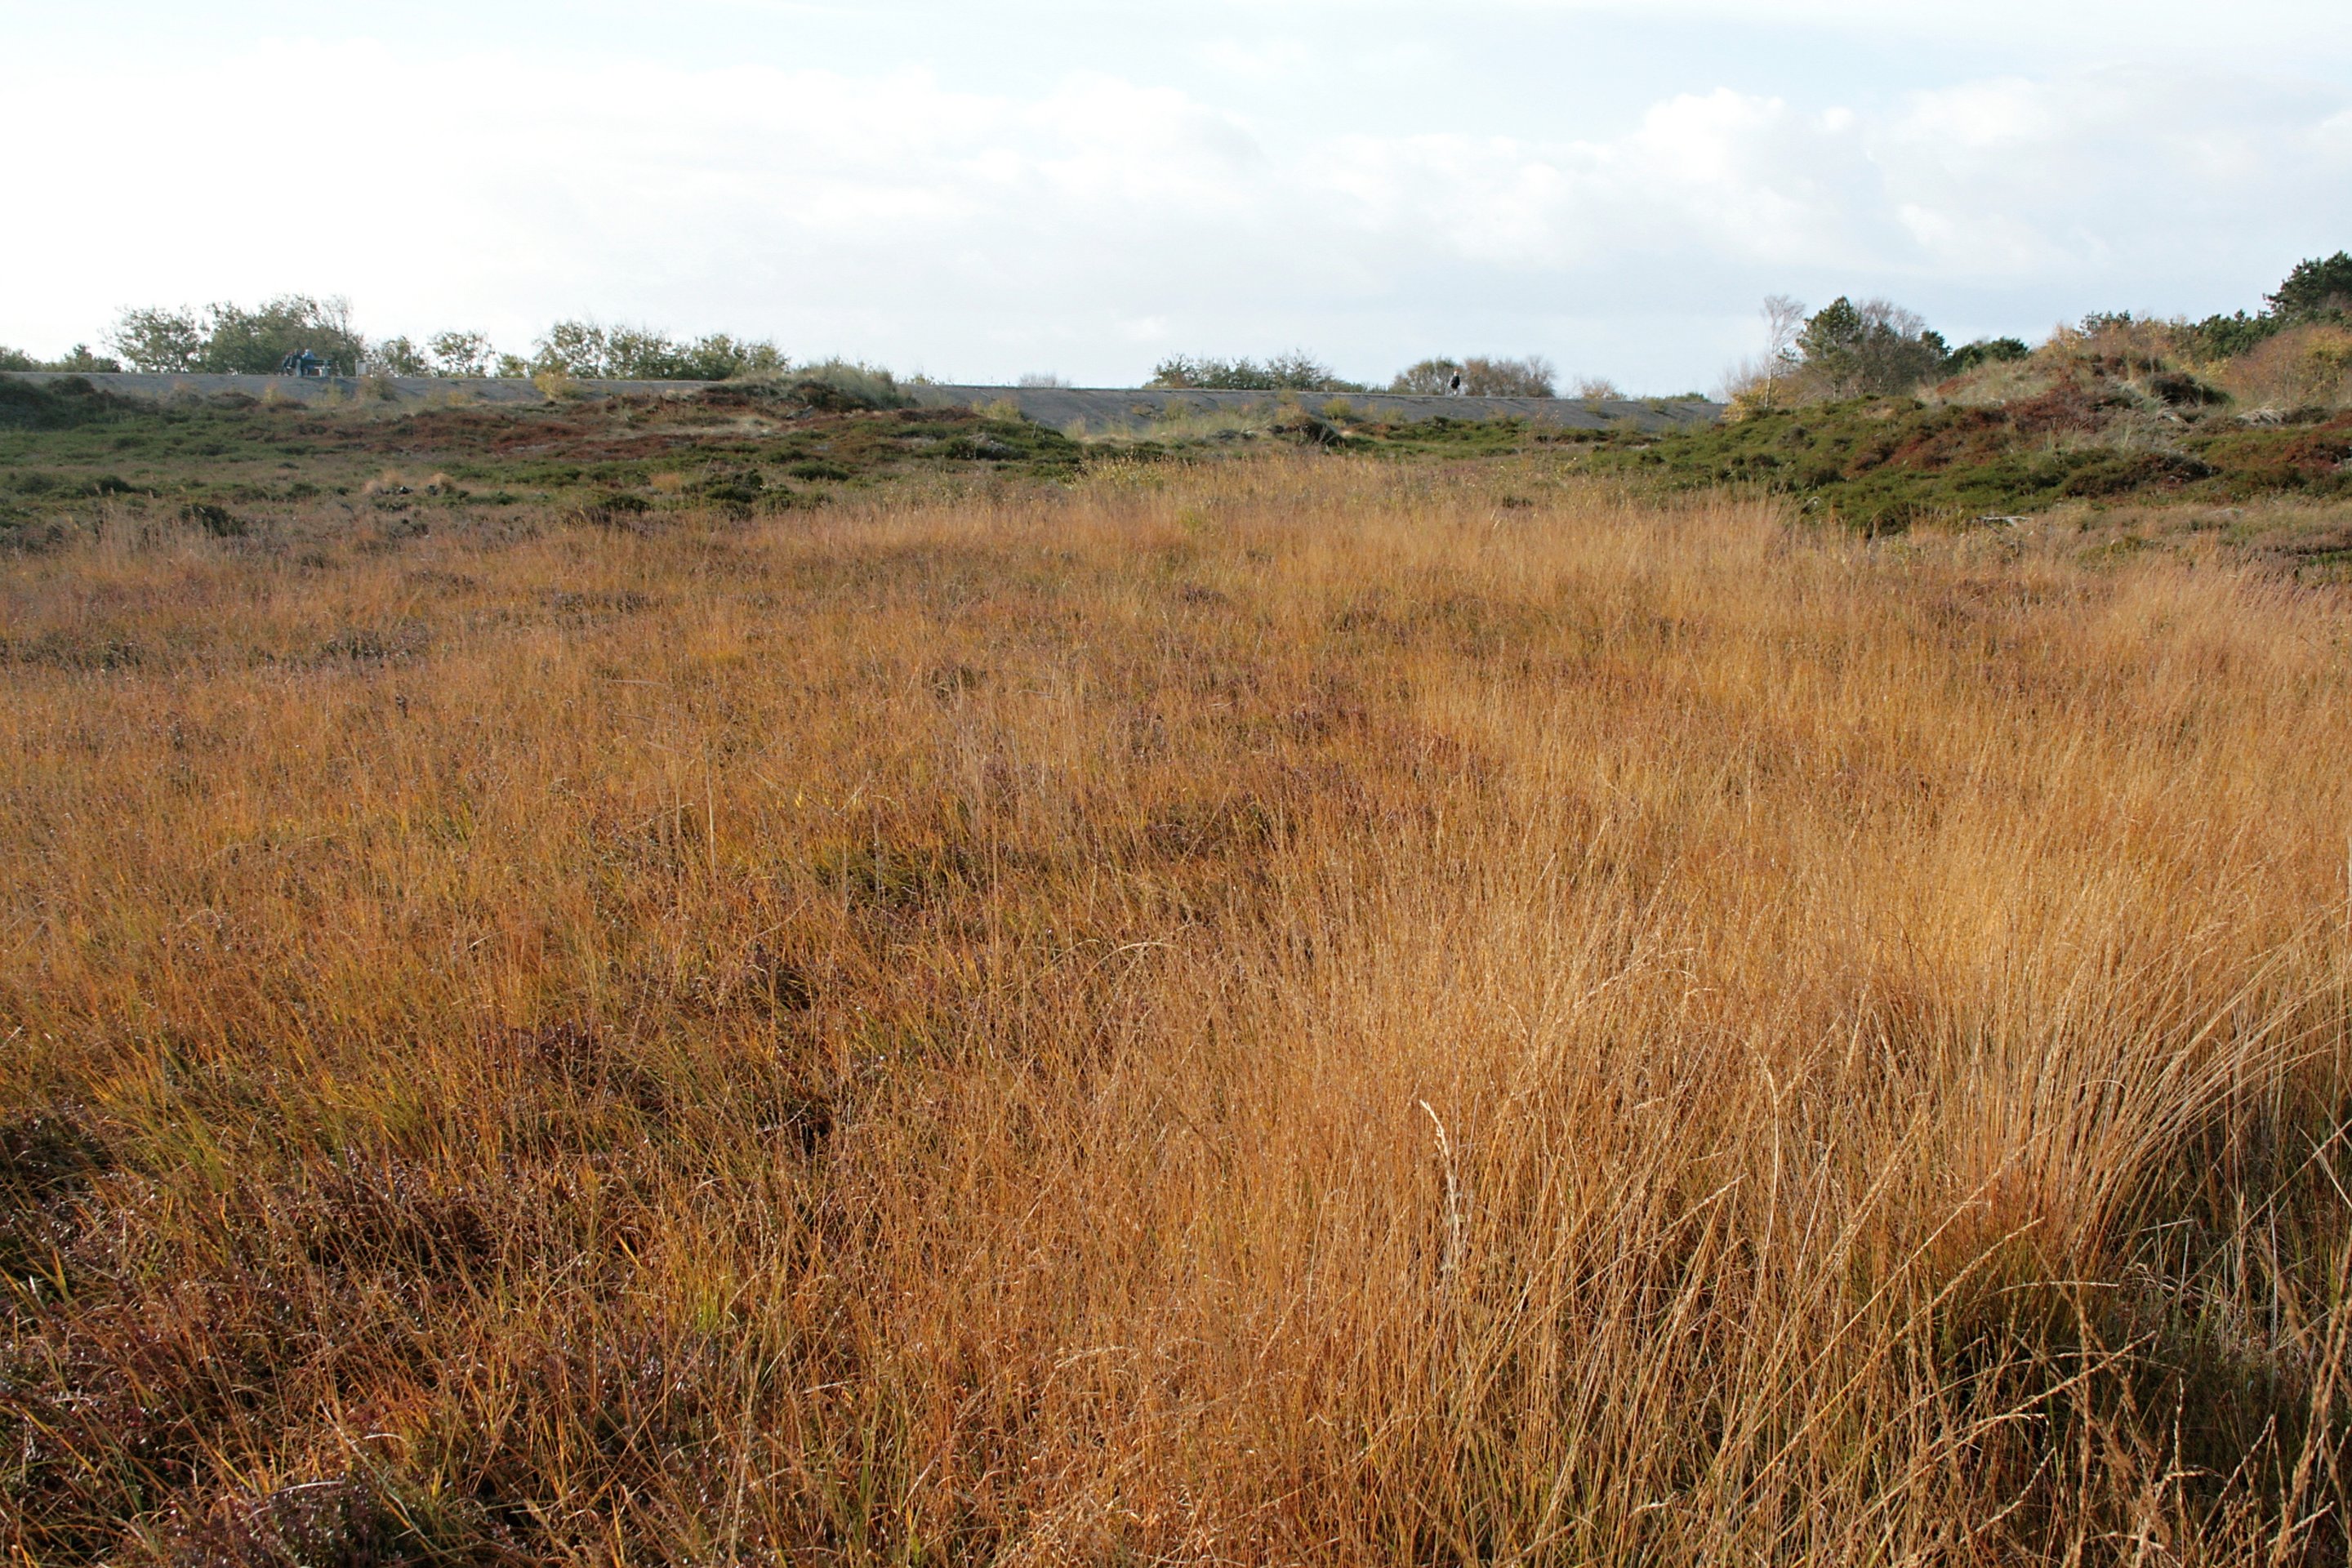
1533 377
55 405
1294 371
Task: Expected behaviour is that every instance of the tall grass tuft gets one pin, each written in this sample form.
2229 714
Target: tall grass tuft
1290 1011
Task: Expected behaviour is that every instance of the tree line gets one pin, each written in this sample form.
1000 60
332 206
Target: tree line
1476 376
231 339
1847 349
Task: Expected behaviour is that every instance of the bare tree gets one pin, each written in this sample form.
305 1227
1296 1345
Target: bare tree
1784 322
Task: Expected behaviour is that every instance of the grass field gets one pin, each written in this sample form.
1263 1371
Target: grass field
1298 1010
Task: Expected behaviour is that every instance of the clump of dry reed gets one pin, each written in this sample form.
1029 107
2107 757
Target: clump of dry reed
1290 1012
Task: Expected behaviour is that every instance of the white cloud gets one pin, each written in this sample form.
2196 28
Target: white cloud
1100 217
2109 28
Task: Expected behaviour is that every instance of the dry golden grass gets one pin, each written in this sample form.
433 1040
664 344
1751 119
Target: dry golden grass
1295 1012
2303 367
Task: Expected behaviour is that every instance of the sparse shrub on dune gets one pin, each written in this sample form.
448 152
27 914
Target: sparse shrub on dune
2304 366
840 385
2287 356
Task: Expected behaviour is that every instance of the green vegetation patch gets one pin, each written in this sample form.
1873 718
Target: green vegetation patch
1448 438
217 464
1881 463
55 405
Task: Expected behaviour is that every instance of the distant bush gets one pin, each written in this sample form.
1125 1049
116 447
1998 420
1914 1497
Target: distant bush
1875 347
398 357
2120 343
590 351
230 338
1042 378
833 387
459 353
2301 366
1985 351
159 340
1293 371
1533 377
1844 350
2317 288
444 353
846 383
82 360
1425 378
2227 337
227 338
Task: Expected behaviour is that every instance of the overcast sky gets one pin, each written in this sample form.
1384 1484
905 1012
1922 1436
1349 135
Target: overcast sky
980 190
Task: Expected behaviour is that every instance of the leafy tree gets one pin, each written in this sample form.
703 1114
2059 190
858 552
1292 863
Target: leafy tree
574 349
443 353
2315 288
459 353
159 340
719 356
229 338
632 354
398 357
257 341
1876 347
